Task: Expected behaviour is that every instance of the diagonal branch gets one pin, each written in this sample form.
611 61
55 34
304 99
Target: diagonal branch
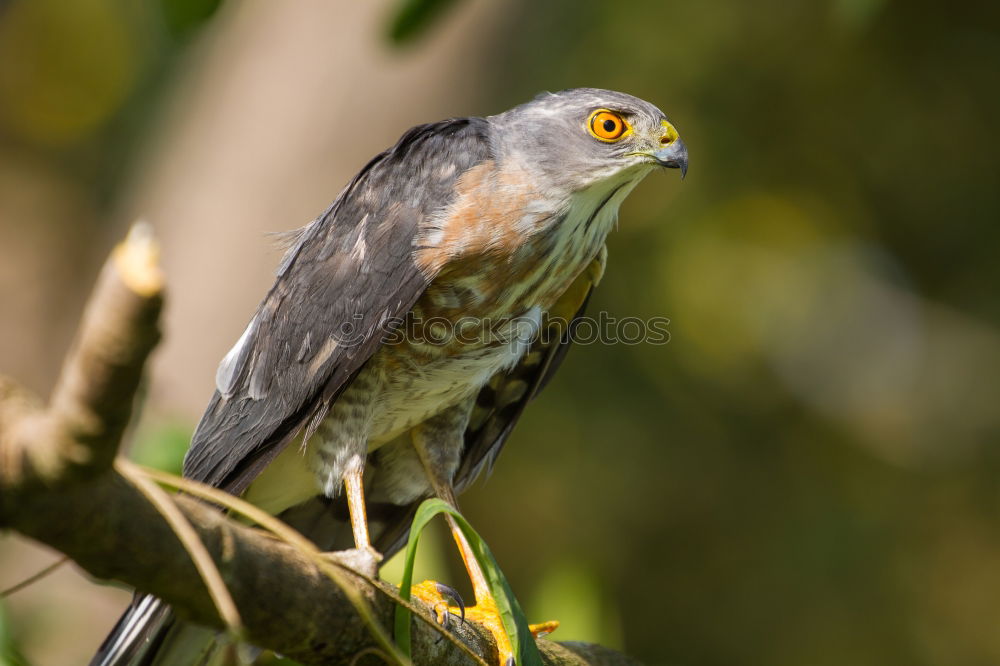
78 434
58 485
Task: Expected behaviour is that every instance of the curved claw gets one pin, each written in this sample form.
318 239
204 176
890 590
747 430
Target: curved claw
437 596
448 592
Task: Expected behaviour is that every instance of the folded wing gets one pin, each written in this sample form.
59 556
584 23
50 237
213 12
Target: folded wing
348 277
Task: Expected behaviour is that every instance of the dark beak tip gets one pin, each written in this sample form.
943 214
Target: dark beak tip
681 164
674 156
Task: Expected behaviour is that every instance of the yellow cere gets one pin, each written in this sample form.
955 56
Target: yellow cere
669 134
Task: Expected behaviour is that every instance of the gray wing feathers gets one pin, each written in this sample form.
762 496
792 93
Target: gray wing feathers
226 375
501 402
350 272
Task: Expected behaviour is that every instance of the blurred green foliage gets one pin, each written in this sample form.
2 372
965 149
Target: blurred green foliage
10 655
574 594
183 17
411 18
162 446
68 88
81 82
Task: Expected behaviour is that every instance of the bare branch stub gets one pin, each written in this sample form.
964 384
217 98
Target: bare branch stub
80 430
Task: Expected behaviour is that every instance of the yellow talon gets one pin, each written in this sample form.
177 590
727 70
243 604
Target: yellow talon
430 593
485 614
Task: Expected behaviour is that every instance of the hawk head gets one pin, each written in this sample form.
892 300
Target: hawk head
582 136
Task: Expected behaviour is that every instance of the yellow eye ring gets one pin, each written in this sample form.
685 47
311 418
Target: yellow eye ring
607 126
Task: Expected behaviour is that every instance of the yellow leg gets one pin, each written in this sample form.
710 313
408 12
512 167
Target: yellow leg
485 613
354 488
479 585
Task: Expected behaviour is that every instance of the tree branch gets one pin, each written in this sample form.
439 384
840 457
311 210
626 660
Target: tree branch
58 485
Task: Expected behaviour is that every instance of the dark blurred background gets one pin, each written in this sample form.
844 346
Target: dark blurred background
806 473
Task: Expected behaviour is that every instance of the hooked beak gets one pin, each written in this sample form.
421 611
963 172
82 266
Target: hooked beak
674 155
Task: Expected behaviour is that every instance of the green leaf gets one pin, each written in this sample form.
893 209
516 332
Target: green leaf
511 614
414 16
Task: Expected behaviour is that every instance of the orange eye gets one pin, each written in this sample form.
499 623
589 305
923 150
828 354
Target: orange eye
607 125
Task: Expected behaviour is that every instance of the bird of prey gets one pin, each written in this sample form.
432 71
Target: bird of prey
406 330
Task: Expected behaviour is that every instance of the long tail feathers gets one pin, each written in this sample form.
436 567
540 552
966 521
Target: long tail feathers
134 639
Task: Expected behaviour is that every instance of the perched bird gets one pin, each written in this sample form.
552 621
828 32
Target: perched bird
403 335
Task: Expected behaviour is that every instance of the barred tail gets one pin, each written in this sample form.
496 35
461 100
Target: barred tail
136 634
148 634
